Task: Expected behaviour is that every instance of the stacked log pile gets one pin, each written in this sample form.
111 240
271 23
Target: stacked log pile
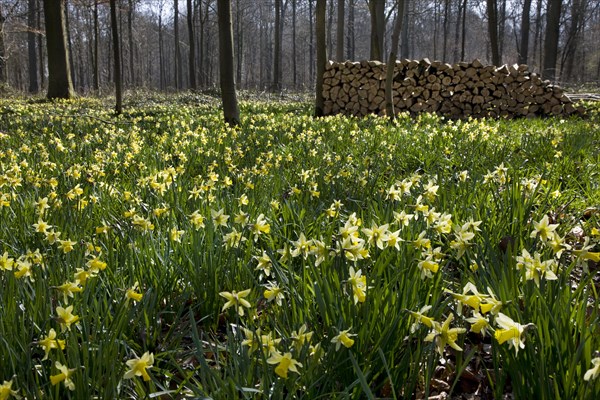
456 91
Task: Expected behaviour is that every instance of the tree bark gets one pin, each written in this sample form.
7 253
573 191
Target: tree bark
311 41
445 24
161 61
178 66
377 10
389 76
60 84
404 45
294 50
320 32
3 74
192 54
33 72
117 57
339 45
464 31
231 111
492 14
578 10
351 36
131 42
524 43
277 51
551 39
96 63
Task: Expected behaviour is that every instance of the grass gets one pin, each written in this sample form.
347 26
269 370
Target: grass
352 241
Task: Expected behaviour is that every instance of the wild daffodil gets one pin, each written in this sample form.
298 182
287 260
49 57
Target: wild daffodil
138 366
511 332
593 372
6 390
50 342
343 338
285 362
236 299
63 376
444 335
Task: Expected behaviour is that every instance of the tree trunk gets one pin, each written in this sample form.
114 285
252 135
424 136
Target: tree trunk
60 84
40 46
192 54
389 76
96 63
537 36
578 10
339 45
445 23
131 41
294 50
239 39
117 57
404 45
455 46
320 32
161 61
464 31
277 51
351 37
377 10
3 74
551 39
492 14
33 72
178 66
311 42
228 94
524 43
69 43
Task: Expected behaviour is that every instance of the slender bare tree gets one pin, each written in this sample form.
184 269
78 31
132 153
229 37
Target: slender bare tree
231 110
389 75
117 57
339 45
33 76
320 32
524 43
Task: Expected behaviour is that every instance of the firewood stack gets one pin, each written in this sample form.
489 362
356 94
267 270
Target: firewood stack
456 91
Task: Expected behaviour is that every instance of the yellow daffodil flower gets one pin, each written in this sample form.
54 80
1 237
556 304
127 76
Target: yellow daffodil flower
6 390
421 318
68 288
511 332
273 293
236 299
343 338
138 366
64 376
593 372
6 262
285 363
543 228
443 334
301 336
132 293
359 285
65 317
50 342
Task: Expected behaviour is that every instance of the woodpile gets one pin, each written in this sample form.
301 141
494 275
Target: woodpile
456 91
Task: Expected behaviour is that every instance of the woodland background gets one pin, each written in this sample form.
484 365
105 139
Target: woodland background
173 45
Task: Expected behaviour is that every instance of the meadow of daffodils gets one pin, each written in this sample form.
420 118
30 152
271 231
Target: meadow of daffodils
162 254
